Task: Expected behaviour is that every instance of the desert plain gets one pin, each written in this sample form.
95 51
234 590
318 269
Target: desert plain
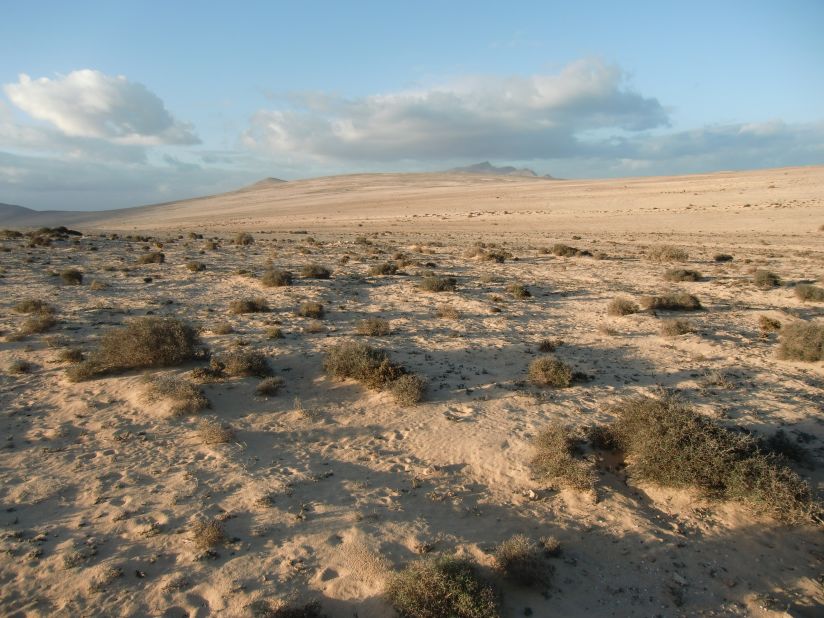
286 488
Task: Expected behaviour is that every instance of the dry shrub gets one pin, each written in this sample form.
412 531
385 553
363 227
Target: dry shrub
408 389
208 534
668 253
215 432
273 332
802 341
268 387
275 278
244 239
722 257
34 305
314 326
183 396
310 309
141 343
682 274
38 323
195 266
523 561
563 250
153 257
244 363
672 301
807 292
447 312
249 305
387 268
554 459
519 291
667 443
222 328
764 279
358 361
767 325
70 355
71 276
442 587
281 609
622 306
676 327
20 366
97 286
373 326
549 345
315 271
437 283
550 371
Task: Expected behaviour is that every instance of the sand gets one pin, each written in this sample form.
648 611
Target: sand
326 486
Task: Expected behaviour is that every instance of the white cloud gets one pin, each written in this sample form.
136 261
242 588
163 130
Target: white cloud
91 104
532 117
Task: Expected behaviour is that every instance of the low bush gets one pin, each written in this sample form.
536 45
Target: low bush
807 292
802 341
244 239
269 386
682 274
622 306
315 271
516 290
273 278
311 309
523 561
668 253
550 371
676 327
387 268
436 283
244 363
375 327
672 301
183 396
153 257
249 305
408 389
71 276
764 279
554 459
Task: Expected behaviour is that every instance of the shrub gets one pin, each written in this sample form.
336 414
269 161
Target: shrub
244 239
215 432
315 271
436 283
622 306
668 253
764 279
208 534
549 345
71 276
19 365
311 309
802 341
33 305
388 268
682 274
38 323
245 363
373 326
669 444
408 389
153 257
222 328
184 397
563 250
97 286
447 312
805 291
273 332
274 278
195 267
550 371
442 587
70 355
523 561
249 305
358 361
677 327
767 324
672 301
141 343
722 257
554 459
516 290
269 386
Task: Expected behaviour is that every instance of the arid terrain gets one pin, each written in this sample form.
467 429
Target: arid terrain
274 465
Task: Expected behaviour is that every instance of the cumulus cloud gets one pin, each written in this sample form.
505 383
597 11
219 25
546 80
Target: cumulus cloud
532 117
91 104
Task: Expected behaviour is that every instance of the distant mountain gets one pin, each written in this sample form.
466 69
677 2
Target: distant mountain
491 170
9 212
266 182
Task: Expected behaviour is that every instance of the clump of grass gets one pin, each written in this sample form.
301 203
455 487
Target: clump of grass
447 312
273 332
802 341
311 309
768 325
244 363
33 305
183 396
764 279
375 327
142 343
71 276
682 274
215 432
676 327
244 239
672 301
36 324
437 283
722 257
275 278
668 253
387 268
408 389
669 444
622 306
523 561
550 371
315 271
807 292
153 257
70 355
208 534
549 345
268 387
195 266
358 361
554 459
314 327
97 286
20 366
442 587
519 291
222 328
562 250
249 305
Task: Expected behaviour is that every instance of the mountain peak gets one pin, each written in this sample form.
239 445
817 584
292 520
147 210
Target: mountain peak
485 167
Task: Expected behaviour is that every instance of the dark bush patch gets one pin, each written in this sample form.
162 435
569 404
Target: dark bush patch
311 309
274 278
195 267
436 283
249 305
550 371
315 271
387 268
722 257
269 386
71 276
672 301
682 274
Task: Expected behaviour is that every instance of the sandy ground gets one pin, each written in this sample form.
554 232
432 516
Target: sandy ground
328 486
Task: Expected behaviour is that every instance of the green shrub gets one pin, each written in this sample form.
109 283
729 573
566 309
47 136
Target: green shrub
802 341
442 587
554 460
667 443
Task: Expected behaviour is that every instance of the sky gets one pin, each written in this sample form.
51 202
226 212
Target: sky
115 104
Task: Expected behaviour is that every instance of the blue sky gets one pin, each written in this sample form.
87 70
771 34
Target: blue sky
116 104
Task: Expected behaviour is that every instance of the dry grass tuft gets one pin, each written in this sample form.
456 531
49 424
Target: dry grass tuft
215 432
764 279
554 460
672 301
71 276
676 327
208 534
269 387
807 292
310 309
519 291
550 371
375 327
315 271
408 389
249 305
668 253
802 341
437 283
622 306
523 561
682 274
184 397
153 257
244 363
275 278
387 268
